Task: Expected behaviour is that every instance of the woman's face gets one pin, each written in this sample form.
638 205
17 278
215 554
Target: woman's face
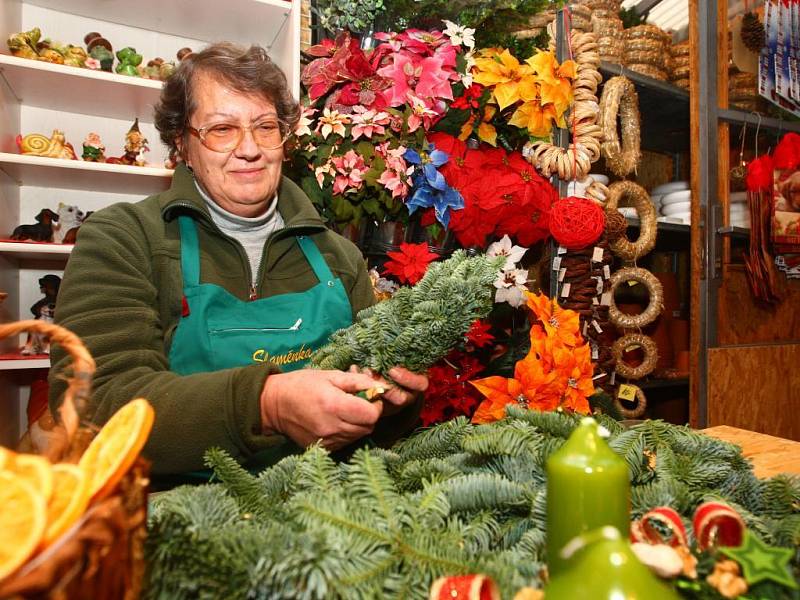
243 181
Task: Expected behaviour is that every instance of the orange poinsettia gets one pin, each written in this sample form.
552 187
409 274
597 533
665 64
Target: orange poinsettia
486 131
556 373
531 386
560 323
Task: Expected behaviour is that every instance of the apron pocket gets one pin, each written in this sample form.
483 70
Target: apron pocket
245 330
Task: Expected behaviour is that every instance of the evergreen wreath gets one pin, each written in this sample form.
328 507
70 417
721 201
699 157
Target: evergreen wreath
418 325
450 500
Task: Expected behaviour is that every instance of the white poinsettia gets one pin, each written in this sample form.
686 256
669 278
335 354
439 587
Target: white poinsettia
466 78
505 248
511 288
459 36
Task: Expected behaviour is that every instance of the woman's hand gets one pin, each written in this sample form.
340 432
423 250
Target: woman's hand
310 405
396 397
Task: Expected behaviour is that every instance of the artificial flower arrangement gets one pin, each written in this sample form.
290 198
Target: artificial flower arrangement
425 129
379 138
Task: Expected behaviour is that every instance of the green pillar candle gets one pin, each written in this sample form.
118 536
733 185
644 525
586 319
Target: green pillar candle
602 566
588 487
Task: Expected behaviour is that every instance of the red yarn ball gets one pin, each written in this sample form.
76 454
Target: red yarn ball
576 222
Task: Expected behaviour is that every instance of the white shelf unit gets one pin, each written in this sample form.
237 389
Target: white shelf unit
37 97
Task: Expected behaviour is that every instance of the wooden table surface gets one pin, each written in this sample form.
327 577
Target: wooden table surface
769 455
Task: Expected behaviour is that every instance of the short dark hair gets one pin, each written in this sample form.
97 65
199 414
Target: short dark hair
243 69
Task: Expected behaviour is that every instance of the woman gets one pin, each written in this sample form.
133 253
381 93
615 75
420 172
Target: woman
192 298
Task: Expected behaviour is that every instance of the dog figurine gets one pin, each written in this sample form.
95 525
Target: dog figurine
70 218
39 343
38 232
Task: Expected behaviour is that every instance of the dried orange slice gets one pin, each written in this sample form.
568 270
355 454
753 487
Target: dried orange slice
116 446
68 502
34 469
23 517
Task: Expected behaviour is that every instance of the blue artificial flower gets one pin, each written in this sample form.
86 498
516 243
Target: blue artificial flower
429 185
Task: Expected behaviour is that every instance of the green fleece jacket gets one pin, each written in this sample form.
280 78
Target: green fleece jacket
121 294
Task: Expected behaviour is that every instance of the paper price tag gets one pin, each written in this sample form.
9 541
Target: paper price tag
561 274
605 299
597 327
595 301
613 378
565 290
606 272
595 352
561 250
626 392
597 254
556 263
583 332
598 284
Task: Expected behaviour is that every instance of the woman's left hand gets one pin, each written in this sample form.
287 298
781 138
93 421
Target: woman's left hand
409 386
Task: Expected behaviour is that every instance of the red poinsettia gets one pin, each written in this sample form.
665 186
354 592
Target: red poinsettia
478 334
409 264
449 393
344 62
469 99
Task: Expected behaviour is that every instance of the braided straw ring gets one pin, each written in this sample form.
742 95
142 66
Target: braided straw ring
650 355
638 410
648 226
654 290
620 101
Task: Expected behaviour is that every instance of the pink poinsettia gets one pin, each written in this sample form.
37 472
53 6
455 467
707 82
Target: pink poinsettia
350 171
397 176
421 114
368 122
424 78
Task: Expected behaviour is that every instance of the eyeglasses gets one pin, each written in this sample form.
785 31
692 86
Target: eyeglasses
224 137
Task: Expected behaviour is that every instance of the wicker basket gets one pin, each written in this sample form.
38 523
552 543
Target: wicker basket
102 555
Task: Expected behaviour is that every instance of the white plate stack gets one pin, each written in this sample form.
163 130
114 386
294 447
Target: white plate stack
673 201
740 212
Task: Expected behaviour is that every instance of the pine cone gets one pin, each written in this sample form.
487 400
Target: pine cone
752 32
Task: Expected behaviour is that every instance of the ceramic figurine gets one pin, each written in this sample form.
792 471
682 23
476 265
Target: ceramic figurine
41 231
135 147
128 61
157 69
23 44
93 149
74 56
44 310
70 219
37 144
99 49
183 53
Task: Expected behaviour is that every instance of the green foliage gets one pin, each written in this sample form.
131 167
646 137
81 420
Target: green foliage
355 15
491 19
419 325
452 499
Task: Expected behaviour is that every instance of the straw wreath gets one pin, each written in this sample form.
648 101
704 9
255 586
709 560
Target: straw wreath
620 101
646 241
654 291
638 410
650 355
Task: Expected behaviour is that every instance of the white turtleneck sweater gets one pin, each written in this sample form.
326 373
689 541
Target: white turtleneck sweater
250 232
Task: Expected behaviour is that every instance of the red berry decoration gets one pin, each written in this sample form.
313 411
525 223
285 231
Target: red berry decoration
576 223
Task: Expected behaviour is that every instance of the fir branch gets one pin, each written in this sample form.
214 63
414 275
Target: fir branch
510 439
419 325
240 484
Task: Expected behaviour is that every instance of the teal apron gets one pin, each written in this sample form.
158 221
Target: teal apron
219 331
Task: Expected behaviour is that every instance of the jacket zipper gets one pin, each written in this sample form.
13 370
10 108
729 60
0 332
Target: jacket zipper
253 292
295 327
